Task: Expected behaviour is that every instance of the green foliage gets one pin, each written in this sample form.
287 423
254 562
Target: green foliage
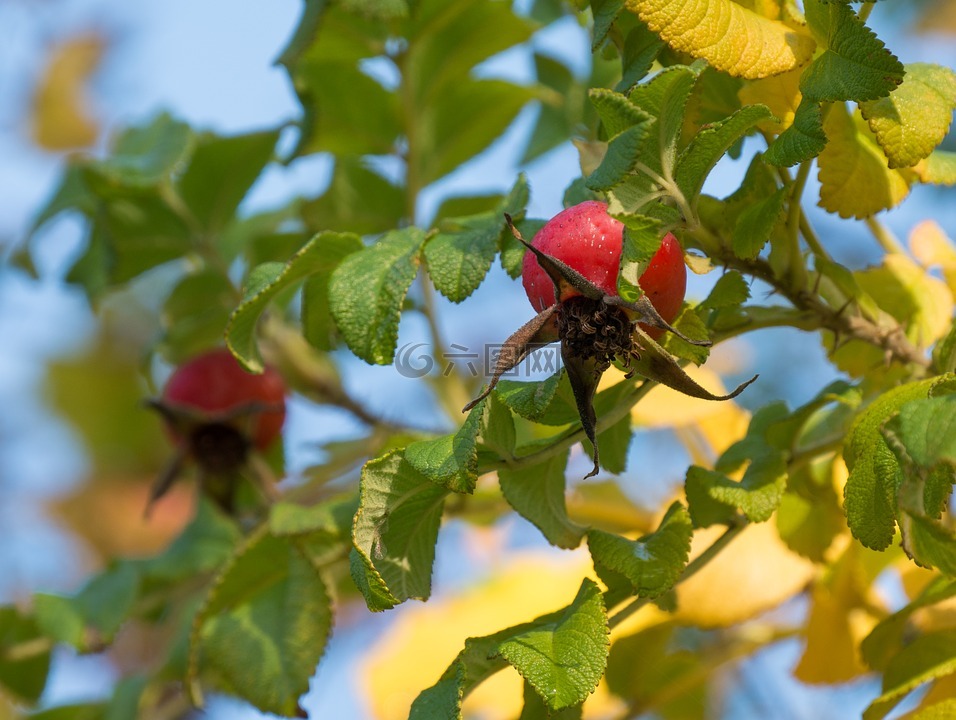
537 493
564 659
652 563
367 291
269 602
394 532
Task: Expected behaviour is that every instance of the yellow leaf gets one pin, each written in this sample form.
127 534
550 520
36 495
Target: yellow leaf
781 93
766 8
855 177
423 640
834 634
755 573
937 169
915 298
61 117
730 37
931 246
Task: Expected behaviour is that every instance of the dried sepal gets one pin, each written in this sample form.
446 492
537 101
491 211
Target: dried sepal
584 381
655 363
540 330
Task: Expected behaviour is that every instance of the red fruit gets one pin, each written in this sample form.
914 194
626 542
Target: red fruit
214 384
589 240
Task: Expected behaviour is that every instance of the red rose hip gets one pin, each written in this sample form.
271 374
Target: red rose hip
589 240
215 384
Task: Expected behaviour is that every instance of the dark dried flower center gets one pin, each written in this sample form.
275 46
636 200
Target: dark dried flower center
590 329
219 448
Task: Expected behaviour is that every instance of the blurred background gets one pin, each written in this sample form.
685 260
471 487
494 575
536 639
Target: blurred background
77 452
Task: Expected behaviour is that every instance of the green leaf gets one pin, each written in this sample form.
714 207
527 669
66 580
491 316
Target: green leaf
730 290
564 660
803 140
461 253
357 200
617 113
271 604
498 428
129 236
893 632
756 224
205 545
395 531
665 98
926 429
196 313
615 442
142 157
757 494
621 158
330 519
641 48
529 400
23 678
642 240
537 494
928 657
320 255
72 193
690 325
448 133
913 119
652 563
333 123
367 290
105 602
855 65
220 173
874 474
475 663
450 461
557 110
710 144
605 12
446 42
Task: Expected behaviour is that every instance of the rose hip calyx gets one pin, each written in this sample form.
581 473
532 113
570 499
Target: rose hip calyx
219 416
595 327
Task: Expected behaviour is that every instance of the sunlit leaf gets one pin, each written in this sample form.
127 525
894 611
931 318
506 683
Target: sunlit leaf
913 119
730 37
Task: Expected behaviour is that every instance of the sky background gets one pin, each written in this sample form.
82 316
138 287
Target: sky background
211 64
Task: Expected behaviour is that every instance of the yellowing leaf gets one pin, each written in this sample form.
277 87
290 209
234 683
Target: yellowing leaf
904 290
939 168
755 573
729 36
61 116
424 639
931 246
781 93
855 178
837 624
913 119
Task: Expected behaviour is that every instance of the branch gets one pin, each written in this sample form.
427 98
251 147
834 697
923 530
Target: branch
892 341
